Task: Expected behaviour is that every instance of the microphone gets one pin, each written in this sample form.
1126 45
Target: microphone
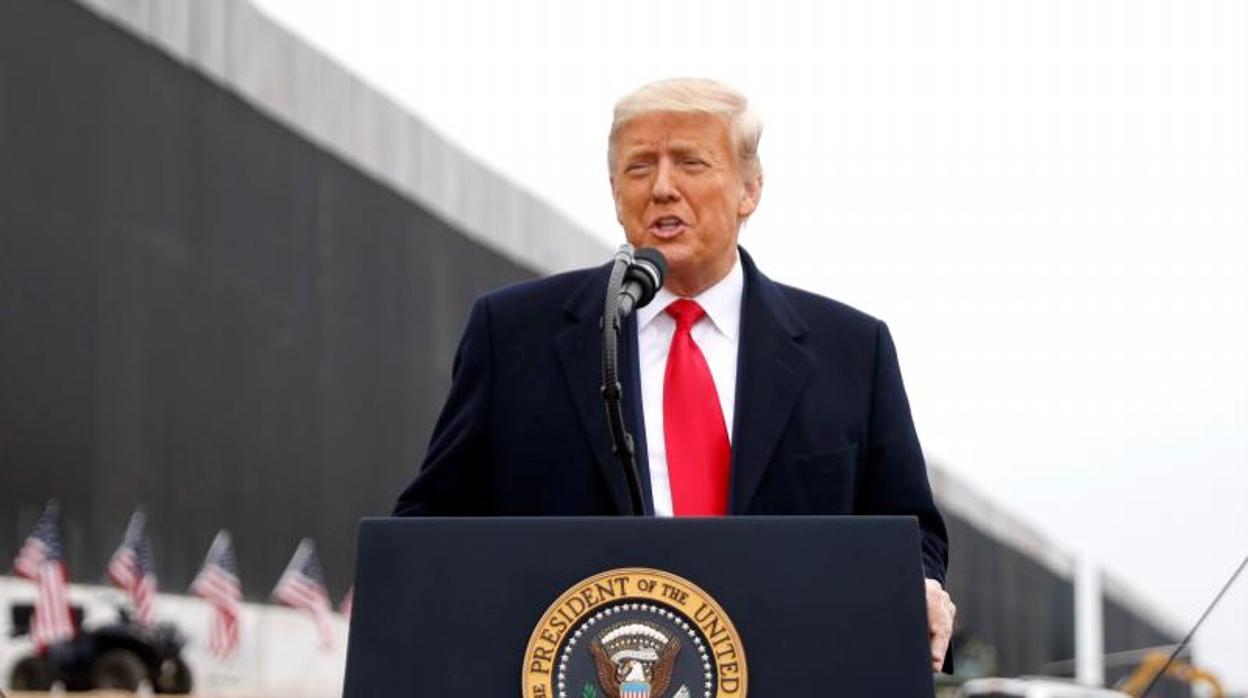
643 279
635 278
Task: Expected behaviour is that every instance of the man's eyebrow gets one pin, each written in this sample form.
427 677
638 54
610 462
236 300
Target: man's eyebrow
645 149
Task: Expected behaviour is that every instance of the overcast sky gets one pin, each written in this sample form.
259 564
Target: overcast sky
1046 201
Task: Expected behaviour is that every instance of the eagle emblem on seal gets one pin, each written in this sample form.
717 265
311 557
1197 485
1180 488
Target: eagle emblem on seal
635 660
634 632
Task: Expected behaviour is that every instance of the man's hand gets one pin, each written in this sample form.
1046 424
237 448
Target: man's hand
940 612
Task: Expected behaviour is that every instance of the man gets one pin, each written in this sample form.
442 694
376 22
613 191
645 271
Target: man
811 388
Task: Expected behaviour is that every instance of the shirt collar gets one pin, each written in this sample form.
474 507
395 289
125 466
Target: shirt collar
722 302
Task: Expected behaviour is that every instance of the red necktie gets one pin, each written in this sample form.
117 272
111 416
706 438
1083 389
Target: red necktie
698 452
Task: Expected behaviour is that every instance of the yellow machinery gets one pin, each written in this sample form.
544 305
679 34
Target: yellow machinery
1154 662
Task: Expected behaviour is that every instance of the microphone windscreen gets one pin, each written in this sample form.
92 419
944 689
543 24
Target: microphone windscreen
655 258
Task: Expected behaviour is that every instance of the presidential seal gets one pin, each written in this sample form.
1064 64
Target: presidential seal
634 633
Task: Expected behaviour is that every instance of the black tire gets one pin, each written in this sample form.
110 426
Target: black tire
118 670
31 674
175 677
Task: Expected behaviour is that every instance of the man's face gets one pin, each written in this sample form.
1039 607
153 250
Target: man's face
678 187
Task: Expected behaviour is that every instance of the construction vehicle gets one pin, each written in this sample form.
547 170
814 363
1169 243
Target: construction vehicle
1154 663
122 655
1032 687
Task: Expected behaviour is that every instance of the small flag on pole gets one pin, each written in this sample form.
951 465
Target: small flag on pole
344 606
41 561
217 582
131 568
302 586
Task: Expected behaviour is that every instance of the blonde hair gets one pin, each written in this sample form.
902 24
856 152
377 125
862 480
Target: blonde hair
695 95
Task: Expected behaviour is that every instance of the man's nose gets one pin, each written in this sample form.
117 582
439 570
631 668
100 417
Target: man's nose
664 188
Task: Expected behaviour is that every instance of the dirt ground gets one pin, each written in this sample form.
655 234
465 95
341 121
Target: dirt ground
68 694
103 694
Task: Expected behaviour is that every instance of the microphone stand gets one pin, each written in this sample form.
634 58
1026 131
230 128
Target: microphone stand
612 391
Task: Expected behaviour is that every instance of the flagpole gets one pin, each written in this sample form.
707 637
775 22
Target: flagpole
310 659
262 636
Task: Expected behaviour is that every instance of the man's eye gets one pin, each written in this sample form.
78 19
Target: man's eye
637 167
694 162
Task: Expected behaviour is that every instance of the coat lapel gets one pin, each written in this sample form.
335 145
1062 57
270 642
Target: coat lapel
772 366
579 347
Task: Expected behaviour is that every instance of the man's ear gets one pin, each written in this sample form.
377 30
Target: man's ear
751 194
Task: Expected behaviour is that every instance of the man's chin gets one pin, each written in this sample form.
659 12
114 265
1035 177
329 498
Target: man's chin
678 265
674 250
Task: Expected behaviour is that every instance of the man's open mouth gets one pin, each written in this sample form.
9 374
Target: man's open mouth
667 226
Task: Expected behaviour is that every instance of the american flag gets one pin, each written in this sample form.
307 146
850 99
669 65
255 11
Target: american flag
344 606
302 586
131 568
40 560
217 582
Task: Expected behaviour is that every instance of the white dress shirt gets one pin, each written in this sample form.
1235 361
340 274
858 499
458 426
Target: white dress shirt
716 334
